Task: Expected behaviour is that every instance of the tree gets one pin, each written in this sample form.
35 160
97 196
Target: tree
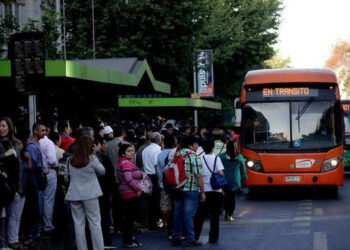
159 31
241 33
339 61
167 33
277 61
50 24
8 25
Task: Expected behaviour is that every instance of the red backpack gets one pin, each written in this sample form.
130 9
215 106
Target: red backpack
175 173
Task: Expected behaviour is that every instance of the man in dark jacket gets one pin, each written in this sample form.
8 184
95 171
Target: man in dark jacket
107 183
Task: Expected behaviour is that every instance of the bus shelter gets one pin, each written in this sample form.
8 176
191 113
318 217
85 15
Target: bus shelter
170 108
78 89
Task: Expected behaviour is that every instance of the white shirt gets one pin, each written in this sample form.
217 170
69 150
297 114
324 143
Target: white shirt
210 158
59 152
149 158
200 151
48 152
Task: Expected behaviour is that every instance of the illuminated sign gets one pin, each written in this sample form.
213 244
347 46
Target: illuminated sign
346 106
283 93
286 92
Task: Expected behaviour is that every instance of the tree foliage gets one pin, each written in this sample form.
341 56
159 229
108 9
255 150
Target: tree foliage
159 31
339 61
277 61
241 33
167 33
8 25
50 24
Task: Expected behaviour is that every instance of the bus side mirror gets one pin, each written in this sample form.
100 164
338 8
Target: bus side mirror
238 113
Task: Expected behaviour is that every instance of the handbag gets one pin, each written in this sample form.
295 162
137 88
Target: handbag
7 194
216 180
145 184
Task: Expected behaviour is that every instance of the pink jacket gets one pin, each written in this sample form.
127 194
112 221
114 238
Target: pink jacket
128 175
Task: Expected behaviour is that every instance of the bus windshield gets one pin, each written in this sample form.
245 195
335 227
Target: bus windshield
347 129
291 125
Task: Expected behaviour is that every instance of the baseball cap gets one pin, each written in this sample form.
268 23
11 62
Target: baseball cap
107 130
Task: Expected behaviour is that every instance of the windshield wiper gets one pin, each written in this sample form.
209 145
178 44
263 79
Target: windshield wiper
301 112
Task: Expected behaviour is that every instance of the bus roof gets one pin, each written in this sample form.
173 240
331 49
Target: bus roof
264 76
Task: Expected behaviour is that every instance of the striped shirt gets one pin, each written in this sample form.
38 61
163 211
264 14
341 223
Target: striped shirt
193 167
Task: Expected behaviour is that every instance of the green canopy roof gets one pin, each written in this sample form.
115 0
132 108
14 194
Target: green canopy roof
119 71
167 102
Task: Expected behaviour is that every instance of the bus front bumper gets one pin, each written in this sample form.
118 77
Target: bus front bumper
331 178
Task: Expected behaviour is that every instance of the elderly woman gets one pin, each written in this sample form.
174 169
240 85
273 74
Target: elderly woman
129 176
83 193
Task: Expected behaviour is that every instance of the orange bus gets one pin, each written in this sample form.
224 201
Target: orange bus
292 128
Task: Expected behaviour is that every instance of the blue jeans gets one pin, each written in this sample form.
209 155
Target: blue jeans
185 206
14 213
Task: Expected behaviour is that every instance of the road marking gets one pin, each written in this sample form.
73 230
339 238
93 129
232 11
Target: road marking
304 208
301 224
244 221
243 213
302 218
320 241
318 211
305 203
303 213
299 232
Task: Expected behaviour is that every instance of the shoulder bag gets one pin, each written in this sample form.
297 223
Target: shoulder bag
216 180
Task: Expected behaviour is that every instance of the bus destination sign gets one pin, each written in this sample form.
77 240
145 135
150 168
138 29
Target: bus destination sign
289 92
346 107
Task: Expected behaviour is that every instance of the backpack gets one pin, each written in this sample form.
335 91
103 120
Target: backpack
175 173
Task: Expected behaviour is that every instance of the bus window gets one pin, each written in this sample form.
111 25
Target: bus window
314 127
267 125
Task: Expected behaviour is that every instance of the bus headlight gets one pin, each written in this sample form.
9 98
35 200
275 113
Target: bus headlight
254 165
331 164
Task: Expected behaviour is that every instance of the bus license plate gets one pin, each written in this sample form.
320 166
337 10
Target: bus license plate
292 178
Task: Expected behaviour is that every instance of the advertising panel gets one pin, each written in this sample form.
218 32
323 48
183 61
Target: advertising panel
205 73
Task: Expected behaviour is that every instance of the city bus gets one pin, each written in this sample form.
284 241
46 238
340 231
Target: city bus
292 128
346 109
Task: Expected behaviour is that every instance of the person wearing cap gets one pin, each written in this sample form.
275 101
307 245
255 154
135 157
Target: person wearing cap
108 133
219 141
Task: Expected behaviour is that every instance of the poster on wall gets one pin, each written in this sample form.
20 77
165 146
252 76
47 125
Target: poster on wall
205 73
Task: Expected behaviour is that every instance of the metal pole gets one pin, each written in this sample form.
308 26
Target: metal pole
93 29
59 28
32 110
195 114
64 31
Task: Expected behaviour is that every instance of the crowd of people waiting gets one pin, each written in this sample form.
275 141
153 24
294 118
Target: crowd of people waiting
74 187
